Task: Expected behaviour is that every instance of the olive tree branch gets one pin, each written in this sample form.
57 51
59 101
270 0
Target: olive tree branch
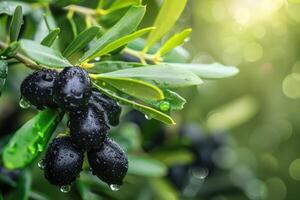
22 58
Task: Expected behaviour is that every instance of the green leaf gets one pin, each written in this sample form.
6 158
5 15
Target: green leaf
109 66
172 101
122 41
163 75
174 41
8 7
133 87
208 71
167 17
81 40
3 73
30 139
174 157
147 167
294 1
119 4
127 24
24 186
51 37
16 23
232 114
11 50
148 111
43 55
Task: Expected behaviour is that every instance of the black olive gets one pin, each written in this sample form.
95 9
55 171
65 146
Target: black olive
109 163
63 162
113 110
88 127
37 88
72 88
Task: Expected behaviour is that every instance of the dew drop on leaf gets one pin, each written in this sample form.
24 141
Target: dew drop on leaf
41 164
164 106
114 187
31 149
24 103
200 173
65 188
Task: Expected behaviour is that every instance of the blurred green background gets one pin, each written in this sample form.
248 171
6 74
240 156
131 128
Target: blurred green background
257 111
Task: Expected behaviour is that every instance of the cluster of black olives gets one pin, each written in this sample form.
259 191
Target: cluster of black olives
90 114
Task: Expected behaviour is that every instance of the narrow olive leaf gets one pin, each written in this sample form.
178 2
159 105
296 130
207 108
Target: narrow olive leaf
9 7
3 74
208 71
148 111
171 102
81 40
51 37
164 76
136 88
109 66
127 24
16 23
122 41
178 55
145 166
119 4
176 40
166 18
30 139
11 50
42 54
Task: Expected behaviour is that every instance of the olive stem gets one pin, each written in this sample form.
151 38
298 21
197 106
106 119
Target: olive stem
143 57
22 58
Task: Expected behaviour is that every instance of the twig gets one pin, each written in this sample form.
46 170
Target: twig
22 58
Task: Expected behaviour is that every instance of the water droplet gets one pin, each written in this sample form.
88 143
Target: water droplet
41 134
31 149
65 188
187 39
147 117
103 83
12 148
200 173
24 103
114 187
164 106
41 164
40 148
3 57
97 59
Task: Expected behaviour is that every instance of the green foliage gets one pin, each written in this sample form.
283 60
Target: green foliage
81 41
31 139
51 37
148 167
16 23
174 41
110 66
9 7
167 17
43 55
123 41
134 15
164 76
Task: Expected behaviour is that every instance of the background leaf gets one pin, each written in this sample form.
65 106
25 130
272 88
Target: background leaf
122 41
8 7
81 40
119 4
174 41
209 71
163 75
30 139
167 17
148 111
42 54
144 166
16 23
109 66
135 88
3 73
50 38
123 27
